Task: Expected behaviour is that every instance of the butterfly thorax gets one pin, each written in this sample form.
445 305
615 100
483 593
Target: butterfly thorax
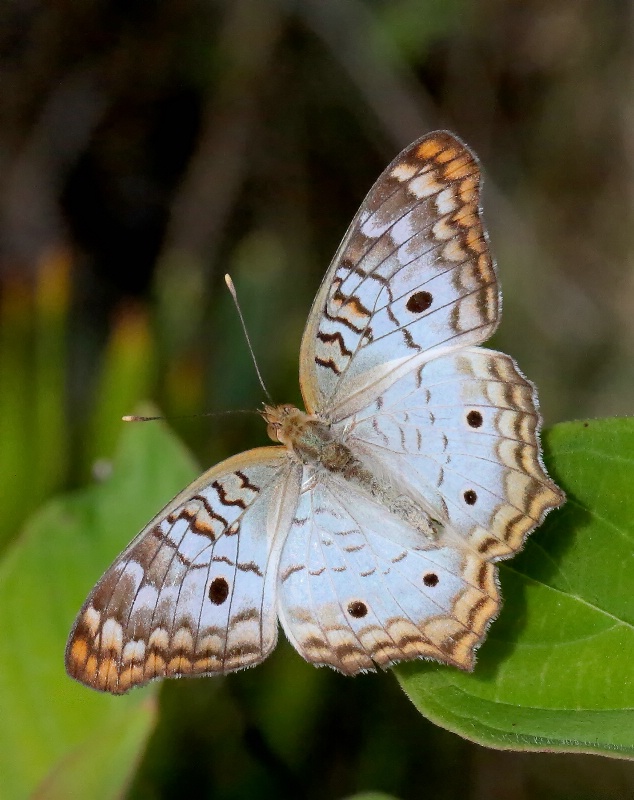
312 442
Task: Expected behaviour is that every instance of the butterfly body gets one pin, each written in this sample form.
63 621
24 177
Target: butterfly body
312 442
372 530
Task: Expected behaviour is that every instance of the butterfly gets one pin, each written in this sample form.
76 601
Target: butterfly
373 527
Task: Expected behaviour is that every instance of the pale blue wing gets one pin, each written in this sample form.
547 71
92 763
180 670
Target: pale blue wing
412 279
359 588
460 436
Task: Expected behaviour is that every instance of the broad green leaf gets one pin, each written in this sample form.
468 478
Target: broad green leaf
55 733
556 671
102 766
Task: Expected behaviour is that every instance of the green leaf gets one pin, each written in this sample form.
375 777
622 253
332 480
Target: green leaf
102 766
57 737
555 672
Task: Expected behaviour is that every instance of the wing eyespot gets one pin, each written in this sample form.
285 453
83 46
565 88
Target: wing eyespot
419 302
474 419
357 609
470 497
430 579
218 591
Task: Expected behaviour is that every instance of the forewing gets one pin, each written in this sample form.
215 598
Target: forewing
412 279
360 588
460 435
194 593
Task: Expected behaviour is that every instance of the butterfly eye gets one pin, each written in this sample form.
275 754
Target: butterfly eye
357 609
218 591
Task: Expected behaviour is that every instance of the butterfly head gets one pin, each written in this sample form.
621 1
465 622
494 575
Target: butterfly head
286 424
281 421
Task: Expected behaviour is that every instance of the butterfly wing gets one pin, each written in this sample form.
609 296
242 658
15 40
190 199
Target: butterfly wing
460 436
358 587
195 592
389 360
412 279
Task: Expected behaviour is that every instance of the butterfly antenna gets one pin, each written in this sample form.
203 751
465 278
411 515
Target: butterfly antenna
232 289
138 418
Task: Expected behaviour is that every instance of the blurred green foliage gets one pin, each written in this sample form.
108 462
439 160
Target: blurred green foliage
149 148
34 452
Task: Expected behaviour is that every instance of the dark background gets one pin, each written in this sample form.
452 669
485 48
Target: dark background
147 148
